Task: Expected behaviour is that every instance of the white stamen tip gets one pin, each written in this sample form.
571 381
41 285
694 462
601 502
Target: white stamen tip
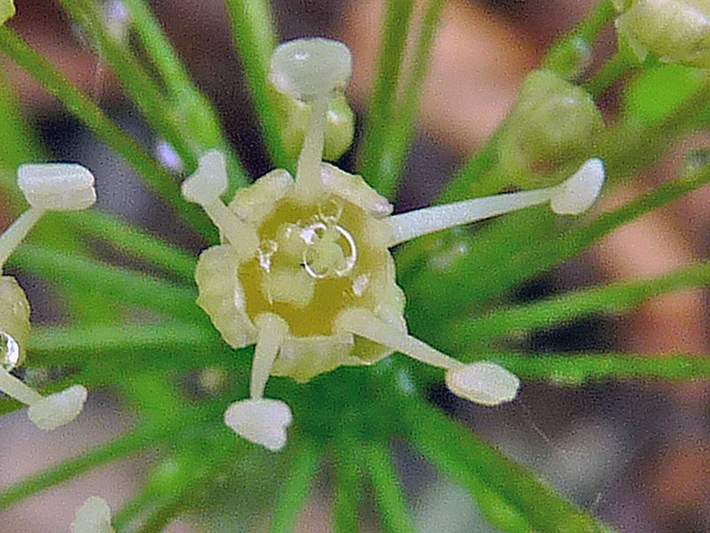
581 190
58 409
93 517
209 181
484 382
310 68
261 421
57 186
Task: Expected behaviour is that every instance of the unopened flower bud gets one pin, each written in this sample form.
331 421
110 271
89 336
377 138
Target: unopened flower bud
674 31
7 10
293 116
548 130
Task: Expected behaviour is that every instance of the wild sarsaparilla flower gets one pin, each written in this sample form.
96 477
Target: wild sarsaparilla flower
304 269
47 187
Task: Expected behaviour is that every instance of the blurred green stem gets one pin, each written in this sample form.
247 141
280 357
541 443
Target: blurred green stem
255 39
389 498
373 161
84 109
296 488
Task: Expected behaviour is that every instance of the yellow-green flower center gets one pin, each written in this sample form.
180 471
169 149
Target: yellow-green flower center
313 260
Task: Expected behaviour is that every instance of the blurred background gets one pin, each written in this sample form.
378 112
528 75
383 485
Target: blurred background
636 454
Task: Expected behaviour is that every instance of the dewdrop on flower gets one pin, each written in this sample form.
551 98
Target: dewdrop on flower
94 516
304 269
47 187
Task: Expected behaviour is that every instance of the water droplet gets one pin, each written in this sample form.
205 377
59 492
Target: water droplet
360 284
267 249
9 351
331 251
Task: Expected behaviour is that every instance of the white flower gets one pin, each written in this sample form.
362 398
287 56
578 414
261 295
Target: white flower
55 187
304 269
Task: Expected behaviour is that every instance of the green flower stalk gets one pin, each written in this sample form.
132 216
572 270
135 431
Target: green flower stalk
304 269
47 187
674 31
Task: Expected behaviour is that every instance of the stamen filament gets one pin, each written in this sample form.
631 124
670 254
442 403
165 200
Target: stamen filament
308 180
364 323
10 240
15 388
571 197
272 330
236 231
414 224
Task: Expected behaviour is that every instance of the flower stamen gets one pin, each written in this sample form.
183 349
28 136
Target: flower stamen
571 197
205 187
47 187
482 382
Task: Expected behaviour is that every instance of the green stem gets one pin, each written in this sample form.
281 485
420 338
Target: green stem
617 297
509 496
296 488
255 39
123 446
577 368
348 486
135 243
389 497
610 72
571 53
401 131
125 287
149 98
200 118
84 109
374 161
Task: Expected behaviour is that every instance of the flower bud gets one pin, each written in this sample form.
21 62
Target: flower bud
293 118
548 129
675 31
7 10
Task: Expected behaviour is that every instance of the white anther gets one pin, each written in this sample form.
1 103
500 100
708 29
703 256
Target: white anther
58 409
261 421
93 517
48 412
209 181
310 68
57 186
205 187
581 190
483 382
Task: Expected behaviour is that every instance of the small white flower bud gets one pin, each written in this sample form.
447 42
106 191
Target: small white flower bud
58 409
483 382
261 421
307 69
57 186
93 517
